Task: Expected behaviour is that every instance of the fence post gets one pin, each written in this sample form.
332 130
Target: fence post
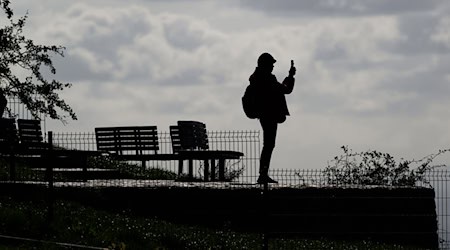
12 157
49 160
266 218
12 166
50 176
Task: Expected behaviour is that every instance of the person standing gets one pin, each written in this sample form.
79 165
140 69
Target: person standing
272 107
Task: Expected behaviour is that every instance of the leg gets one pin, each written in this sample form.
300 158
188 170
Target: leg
269 136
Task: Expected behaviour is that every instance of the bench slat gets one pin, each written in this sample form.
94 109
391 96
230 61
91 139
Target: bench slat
142 133
30 135
124 139
108 129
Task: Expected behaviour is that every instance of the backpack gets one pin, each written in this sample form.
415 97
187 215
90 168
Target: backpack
249 102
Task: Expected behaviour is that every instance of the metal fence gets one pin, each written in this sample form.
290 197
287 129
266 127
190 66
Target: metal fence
244 169
18 110
437 178
247 142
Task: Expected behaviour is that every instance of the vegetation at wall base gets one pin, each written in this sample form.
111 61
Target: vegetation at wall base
77 224
130 170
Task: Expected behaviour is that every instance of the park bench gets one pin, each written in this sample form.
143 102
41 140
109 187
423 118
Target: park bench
8 142
131 143
10 146
26 142
190 142
8 135
141 143
68 162
30 137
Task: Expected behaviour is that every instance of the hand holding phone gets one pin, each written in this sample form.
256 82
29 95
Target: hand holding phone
292 70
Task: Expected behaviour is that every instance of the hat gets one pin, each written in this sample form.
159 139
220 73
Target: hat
266 58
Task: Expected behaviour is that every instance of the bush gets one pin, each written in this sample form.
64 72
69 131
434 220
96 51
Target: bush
129 170
376 168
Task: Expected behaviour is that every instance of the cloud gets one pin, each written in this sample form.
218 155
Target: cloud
157 48
343 8
348 65
187 33
371 74
442 32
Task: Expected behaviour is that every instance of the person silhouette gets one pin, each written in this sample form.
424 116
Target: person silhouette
272 107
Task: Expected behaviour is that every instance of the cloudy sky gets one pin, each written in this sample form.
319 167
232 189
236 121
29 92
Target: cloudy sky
370 74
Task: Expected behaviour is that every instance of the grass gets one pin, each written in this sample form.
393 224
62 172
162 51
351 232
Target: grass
78 224
129 170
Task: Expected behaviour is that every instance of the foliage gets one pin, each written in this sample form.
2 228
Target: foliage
83 225
22 168
129 170
231 173
17 52
376 168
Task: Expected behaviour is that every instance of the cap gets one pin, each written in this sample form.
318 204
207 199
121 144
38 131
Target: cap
266 58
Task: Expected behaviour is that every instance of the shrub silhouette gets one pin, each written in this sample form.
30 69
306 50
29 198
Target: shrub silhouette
376 168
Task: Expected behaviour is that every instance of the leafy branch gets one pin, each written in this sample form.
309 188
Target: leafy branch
376 168
37 93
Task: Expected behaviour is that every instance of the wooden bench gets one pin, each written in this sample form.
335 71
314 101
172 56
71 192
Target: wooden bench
30 137
10 146
29 144
8 136
8 143
141 143
131 143
190 141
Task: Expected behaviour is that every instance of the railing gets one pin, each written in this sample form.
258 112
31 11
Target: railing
19 111
247 142
438 179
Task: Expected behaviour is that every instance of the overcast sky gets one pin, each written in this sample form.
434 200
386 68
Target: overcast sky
370 74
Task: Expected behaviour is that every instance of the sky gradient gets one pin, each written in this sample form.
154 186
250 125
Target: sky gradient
371 74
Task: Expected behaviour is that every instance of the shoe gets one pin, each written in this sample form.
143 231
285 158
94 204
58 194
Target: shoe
264 179
270 180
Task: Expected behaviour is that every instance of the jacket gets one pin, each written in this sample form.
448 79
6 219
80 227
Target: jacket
270 93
